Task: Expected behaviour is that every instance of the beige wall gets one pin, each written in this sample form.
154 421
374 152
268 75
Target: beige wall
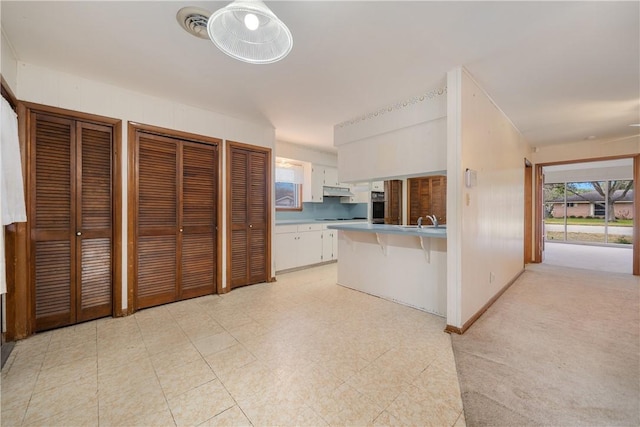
485 222
50 87
587 150
8 64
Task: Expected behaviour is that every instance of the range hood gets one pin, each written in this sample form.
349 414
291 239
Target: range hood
337 192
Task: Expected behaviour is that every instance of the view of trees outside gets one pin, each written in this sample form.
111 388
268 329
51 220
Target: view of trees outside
589 212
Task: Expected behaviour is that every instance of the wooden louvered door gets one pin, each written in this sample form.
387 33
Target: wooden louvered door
71 220
248 215
199 218
176 219
427 196
393 202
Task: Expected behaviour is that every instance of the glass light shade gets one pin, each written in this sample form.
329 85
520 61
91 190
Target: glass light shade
271 41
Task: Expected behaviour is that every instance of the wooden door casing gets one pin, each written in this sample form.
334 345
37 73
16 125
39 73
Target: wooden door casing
71 220
248 214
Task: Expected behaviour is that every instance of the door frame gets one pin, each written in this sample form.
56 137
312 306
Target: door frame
132 201
21 302
269 195
528 214
539 243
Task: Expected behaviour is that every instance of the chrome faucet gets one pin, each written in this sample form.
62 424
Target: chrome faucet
433 219
420 222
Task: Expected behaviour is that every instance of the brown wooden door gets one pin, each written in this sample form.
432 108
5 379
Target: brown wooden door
248 215
427 196
176 219
71 220
393 202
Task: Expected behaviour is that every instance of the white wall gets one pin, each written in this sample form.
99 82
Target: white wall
8 64
50 87
407 138
485 223
306 154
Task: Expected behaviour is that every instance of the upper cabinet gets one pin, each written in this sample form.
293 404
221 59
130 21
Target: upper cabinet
322 176
377 186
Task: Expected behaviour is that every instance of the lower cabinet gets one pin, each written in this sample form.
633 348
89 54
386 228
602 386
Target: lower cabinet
298 245
329 245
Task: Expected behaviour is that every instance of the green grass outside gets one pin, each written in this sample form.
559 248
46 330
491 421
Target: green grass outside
589 221
558 236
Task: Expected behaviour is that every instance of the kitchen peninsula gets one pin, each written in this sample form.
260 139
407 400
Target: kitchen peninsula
405 264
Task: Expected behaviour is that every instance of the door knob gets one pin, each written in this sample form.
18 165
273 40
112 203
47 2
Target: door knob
250 225
79 233
181 230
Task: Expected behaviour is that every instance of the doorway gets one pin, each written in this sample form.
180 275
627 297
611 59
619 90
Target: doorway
589 213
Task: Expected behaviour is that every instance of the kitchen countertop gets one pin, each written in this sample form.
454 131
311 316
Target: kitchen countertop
411 230
318 221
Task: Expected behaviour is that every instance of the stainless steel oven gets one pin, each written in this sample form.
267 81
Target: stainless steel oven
377 207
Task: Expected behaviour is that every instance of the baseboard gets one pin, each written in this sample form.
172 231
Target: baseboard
455 330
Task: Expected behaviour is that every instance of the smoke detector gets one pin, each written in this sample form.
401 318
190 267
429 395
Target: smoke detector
194 21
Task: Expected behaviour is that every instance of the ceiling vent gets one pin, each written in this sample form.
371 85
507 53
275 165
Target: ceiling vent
194 21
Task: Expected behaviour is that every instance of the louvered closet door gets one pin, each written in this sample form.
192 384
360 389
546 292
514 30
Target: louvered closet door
71 245
157 220
248 225
199 195
439 198
177 217
94 221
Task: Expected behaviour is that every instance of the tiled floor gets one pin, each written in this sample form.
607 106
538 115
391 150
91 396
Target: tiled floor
301 351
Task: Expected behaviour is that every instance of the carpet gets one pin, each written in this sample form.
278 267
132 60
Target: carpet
561 347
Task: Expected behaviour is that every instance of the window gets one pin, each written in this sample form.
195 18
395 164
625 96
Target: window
288 186
599 209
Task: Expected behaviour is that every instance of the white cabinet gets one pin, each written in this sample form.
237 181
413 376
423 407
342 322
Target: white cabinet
361 194
317 182
323 176
377 186
298 245
329 245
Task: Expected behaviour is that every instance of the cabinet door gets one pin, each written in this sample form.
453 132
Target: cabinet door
327 245
317 182
377 186
330 177
309 247
286 251
439 198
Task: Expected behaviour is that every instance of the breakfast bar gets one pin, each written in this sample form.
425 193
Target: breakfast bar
405 264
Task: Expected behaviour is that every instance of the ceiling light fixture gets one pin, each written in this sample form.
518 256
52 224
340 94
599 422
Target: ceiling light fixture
249 31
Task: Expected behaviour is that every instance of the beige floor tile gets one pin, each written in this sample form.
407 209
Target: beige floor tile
177 379
196 328
430 407
215 343
73 336
229 359
248 380
247 331
385 419
82 415
130 401
232 417
18 385
12 412
159 342
49 403
343 365
63 374
278 412
200 404
345 406
381 388
70 355
158 416
176 355
460 422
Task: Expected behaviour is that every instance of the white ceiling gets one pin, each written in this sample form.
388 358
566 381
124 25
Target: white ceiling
562 71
